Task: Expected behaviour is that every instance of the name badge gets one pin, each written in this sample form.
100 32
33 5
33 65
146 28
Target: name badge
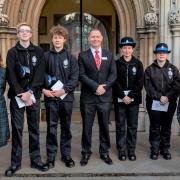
104 58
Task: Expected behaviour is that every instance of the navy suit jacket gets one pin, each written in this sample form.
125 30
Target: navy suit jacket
91 77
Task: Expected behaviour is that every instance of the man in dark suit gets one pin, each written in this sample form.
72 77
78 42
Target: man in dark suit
97 75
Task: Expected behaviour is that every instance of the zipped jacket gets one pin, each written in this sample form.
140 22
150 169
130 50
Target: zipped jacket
162 81
32 58
129 77
64 67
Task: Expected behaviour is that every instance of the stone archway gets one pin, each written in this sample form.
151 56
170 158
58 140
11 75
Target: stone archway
130 14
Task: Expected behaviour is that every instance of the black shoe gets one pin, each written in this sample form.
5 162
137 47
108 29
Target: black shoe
106 159
68 161
166 154
50 164
84 160
132 157
40 166
154 155
11 170
122 156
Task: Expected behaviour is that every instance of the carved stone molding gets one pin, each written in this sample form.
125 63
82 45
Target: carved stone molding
152 4
151 19
174 15
4 20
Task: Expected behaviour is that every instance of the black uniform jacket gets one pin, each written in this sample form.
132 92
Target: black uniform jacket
129 77
32 57
65 68
91 77
162 81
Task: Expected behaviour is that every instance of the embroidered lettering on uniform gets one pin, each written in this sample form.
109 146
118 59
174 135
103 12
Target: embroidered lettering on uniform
65 63
34 60
134 70
104 58
170 73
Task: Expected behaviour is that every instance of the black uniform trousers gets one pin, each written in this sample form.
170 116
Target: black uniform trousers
126 118
17 121
56 109
160 127
88 112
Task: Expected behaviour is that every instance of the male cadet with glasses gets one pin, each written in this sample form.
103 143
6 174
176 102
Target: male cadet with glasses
61 68
25 75
127 97
162 84
97 75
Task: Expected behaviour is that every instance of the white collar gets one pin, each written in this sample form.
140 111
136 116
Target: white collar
93 50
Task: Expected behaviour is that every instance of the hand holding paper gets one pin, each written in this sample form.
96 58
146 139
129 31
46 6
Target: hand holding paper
157 106
59 86
22 103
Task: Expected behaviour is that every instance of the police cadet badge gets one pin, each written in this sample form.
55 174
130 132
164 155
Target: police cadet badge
170 73
65 63
134 70
34 60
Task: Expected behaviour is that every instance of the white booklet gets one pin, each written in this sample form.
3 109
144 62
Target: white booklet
21 103
157 106
58 86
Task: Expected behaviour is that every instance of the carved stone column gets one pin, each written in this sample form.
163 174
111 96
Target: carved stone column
147 37
175 29
7 40
174 23
7 35
146 43
151 22
150 29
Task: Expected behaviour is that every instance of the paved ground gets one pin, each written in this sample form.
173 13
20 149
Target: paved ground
142 169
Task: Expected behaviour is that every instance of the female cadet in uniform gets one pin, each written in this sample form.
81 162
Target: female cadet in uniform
127 97
162 83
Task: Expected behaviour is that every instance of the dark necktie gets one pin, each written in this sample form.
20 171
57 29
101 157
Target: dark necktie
97 59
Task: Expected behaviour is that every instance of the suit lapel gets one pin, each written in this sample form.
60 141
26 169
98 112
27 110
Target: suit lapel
103 58
91 58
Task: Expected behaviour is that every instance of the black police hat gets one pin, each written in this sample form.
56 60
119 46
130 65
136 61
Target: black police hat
127 41
161 47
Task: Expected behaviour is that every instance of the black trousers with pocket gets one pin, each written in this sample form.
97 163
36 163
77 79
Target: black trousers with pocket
160 127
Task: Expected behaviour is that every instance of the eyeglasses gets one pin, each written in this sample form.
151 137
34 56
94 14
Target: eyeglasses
24 31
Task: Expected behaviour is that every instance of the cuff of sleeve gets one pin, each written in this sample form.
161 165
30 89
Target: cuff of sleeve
30 91
19 91
65 89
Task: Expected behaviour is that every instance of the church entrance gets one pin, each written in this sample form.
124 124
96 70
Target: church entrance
79 17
